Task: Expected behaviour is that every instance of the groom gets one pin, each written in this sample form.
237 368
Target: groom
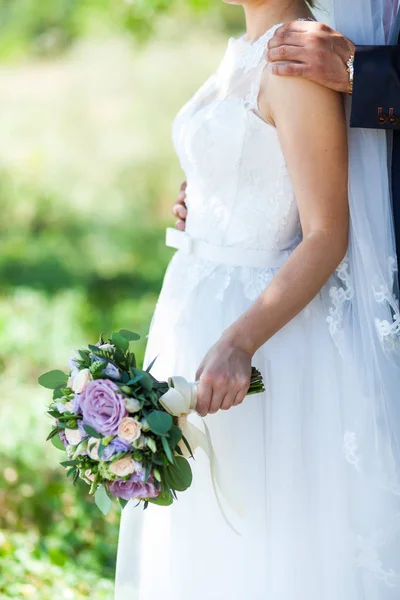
317 52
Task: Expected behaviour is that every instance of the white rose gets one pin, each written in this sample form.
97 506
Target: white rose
140 442
107 347
132 405
93 448
73 436
80 380
129 430
123 466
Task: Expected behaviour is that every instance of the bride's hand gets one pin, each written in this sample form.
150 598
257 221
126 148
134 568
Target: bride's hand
224 375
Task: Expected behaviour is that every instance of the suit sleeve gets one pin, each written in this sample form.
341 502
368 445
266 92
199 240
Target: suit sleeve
376 93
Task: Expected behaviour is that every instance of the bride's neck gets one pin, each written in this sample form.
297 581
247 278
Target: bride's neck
262 15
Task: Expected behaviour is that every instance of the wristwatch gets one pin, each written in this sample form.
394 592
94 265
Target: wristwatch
350 70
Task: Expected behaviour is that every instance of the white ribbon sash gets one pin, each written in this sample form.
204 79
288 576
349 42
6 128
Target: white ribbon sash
180 401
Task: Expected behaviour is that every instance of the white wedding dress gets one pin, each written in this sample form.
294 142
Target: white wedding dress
312 525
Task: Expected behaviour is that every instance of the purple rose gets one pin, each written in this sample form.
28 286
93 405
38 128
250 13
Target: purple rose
134 487
102 406
114 447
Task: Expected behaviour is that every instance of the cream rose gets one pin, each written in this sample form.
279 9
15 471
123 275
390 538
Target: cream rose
73 436
93 448
123 466
129 430
89 475
80 381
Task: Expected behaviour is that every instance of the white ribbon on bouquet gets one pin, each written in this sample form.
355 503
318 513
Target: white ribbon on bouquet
180 401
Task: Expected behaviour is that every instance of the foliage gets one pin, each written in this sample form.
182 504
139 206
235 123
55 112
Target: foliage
50 26
87 178
153 449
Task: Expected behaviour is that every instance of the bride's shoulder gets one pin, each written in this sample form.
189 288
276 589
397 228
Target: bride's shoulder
295 94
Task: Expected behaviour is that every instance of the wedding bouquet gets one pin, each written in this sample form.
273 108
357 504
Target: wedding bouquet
122 430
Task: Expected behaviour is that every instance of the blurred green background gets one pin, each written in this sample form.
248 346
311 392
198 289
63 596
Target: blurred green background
87 179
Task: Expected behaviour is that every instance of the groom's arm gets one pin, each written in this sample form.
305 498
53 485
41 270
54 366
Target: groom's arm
376 95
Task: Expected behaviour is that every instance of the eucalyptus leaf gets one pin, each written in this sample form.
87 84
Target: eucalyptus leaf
58 393
53 380
174 436
102 500
179 476
57 443
159 422
146 382
120 342
164 498
129 335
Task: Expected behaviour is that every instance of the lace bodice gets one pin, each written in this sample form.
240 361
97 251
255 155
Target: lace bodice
239 192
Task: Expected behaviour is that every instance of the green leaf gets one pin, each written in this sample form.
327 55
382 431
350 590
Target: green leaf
71 472
100 450
53 380
179 476
167 449
57 443
102 499
146 382
129 335
151 364
147 472
174 436
187 446
120 342
160 422
70 463
158 458
164 498
92 432
136 379
98 366
52 433
58 393
122 502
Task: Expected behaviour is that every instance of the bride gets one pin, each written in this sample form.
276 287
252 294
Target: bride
287 264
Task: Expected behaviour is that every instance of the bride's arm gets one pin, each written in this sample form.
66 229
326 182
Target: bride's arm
311 126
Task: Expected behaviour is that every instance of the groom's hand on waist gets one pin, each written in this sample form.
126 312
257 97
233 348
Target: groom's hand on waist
311 50
179 208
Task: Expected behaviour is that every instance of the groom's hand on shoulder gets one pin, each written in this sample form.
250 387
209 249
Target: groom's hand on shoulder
311 50
179 209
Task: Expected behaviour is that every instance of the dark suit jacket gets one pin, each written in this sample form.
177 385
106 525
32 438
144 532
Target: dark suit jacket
376 95
376 104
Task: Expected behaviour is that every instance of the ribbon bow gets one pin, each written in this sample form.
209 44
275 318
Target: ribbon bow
180 401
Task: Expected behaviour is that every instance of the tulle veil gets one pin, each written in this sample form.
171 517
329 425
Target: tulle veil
361 300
